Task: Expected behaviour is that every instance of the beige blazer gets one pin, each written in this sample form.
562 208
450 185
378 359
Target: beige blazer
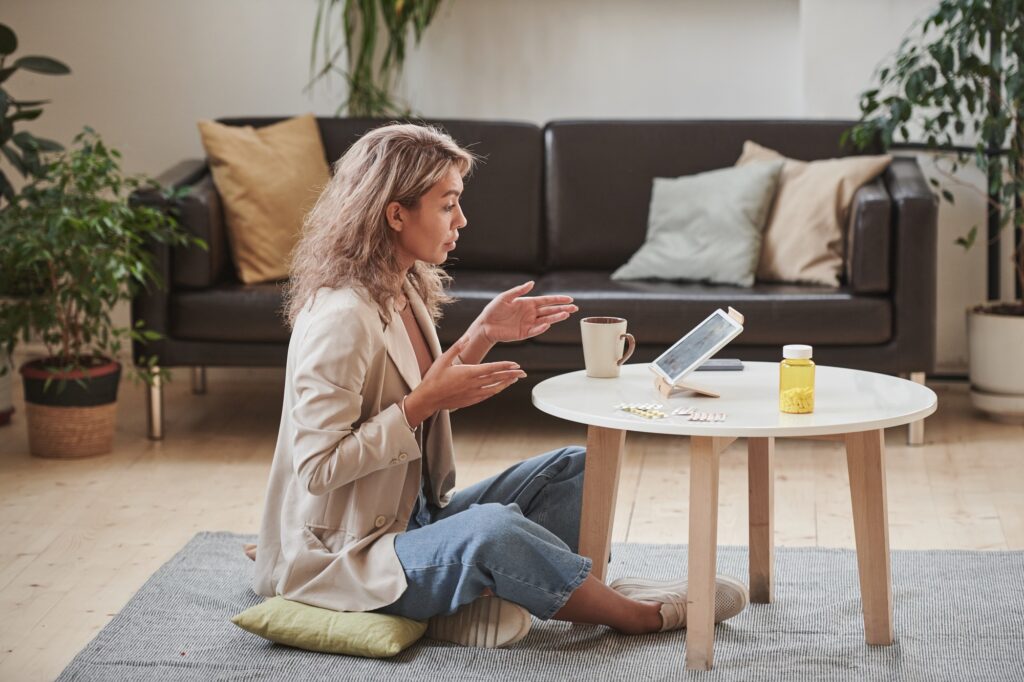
346 470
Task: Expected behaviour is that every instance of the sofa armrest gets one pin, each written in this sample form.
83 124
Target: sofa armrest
183 173
868 238
915 240
150 304
201 213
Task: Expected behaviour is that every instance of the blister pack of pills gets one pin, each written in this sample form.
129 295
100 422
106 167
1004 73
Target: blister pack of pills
696 415
645 410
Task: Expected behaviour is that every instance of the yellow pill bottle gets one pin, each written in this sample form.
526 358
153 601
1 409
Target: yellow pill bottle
796 379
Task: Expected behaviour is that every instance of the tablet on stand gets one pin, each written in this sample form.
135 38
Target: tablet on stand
707 338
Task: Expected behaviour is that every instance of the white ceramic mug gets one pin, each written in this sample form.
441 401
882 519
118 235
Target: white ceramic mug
603 340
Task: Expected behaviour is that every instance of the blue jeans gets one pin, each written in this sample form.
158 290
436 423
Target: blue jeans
516 533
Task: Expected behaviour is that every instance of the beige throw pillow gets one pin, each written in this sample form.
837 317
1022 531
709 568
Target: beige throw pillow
268 179
804 238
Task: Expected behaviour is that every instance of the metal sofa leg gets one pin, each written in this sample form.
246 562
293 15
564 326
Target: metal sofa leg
915 430
155 406
199 380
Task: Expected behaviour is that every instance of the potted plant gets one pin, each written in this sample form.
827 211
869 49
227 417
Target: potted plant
957 85
78 244
21 149
371 70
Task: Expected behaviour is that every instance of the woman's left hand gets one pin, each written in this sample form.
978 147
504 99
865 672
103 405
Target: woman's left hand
513 317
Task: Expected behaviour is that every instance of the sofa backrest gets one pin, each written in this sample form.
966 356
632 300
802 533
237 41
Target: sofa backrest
502 198
598 174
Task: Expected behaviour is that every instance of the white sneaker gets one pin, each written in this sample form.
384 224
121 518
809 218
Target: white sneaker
731 596
488 622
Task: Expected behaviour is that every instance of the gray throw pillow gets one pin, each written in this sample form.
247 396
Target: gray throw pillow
706 227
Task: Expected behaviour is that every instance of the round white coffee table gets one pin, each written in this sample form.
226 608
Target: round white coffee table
851 406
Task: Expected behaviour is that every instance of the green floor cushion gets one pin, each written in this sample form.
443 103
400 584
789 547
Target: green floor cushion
373 635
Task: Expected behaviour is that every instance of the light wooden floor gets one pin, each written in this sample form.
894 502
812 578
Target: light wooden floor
78 538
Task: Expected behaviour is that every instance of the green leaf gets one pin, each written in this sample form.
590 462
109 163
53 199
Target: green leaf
24 140
47 145
14 159
26 115
947 195
44 65
968 241
30 103
6 189
8 41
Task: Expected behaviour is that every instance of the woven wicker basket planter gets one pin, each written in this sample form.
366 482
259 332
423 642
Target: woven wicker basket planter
77 421
70 431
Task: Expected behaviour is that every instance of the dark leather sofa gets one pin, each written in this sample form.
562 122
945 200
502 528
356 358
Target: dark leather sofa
565 205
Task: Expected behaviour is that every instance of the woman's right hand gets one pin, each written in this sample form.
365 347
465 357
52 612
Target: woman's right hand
447 386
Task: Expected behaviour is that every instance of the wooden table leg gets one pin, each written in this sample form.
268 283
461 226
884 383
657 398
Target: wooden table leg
865 460
702 551
605 448
761 489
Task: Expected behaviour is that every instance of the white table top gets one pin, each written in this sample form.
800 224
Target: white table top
845 401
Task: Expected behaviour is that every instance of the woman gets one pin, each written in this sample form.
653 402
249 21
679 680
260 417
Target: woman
360 511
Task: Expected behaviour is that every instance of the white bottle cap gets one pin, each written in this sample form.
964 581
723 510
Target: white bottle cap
797 351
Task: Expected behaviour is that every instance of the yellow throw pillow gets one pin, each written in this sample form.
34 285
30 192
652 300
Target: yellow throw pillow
804 238
268 179
372 635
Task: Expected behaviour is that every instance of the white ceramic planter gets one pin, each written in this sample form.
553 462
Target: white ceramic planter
995 345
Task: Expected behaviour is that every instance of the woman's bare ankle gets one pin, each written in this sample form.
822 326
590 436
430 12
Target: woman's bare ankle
648 620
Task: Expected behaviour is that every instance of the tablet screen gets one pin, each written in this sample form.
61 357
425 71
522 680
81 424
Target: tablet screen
692 347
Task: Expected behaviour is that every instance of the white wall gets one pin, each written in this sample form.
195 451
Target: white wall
145 71
544 59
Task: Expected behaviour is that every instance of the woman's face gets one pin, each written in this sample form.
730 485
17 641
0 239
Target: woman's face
428 231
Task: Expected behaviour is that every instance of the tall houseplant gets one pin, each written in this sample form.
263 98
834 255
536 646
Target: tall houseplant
75 241
21 150
957 84
370 70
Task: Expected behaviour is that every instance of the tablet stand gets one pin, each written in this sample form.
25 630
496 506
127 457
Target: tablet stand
666 389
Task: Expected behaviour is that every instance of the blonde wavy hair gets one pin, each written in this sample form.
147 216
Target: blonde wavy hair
346 240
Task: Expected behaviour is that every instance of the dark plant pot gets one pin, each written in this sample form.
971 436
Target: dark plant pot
71 420
6 407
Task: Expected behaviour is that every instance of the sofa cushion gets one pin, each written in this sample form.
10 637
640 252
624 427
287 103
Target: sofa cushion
776 314
706 227
804 235
267 178
598 174
231 311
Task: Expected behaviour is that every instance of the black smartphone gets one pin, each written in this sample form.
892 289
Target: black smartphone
721 365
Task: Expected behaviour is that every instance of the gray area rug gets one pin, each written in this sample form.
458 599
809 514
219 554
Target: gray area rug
959 616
